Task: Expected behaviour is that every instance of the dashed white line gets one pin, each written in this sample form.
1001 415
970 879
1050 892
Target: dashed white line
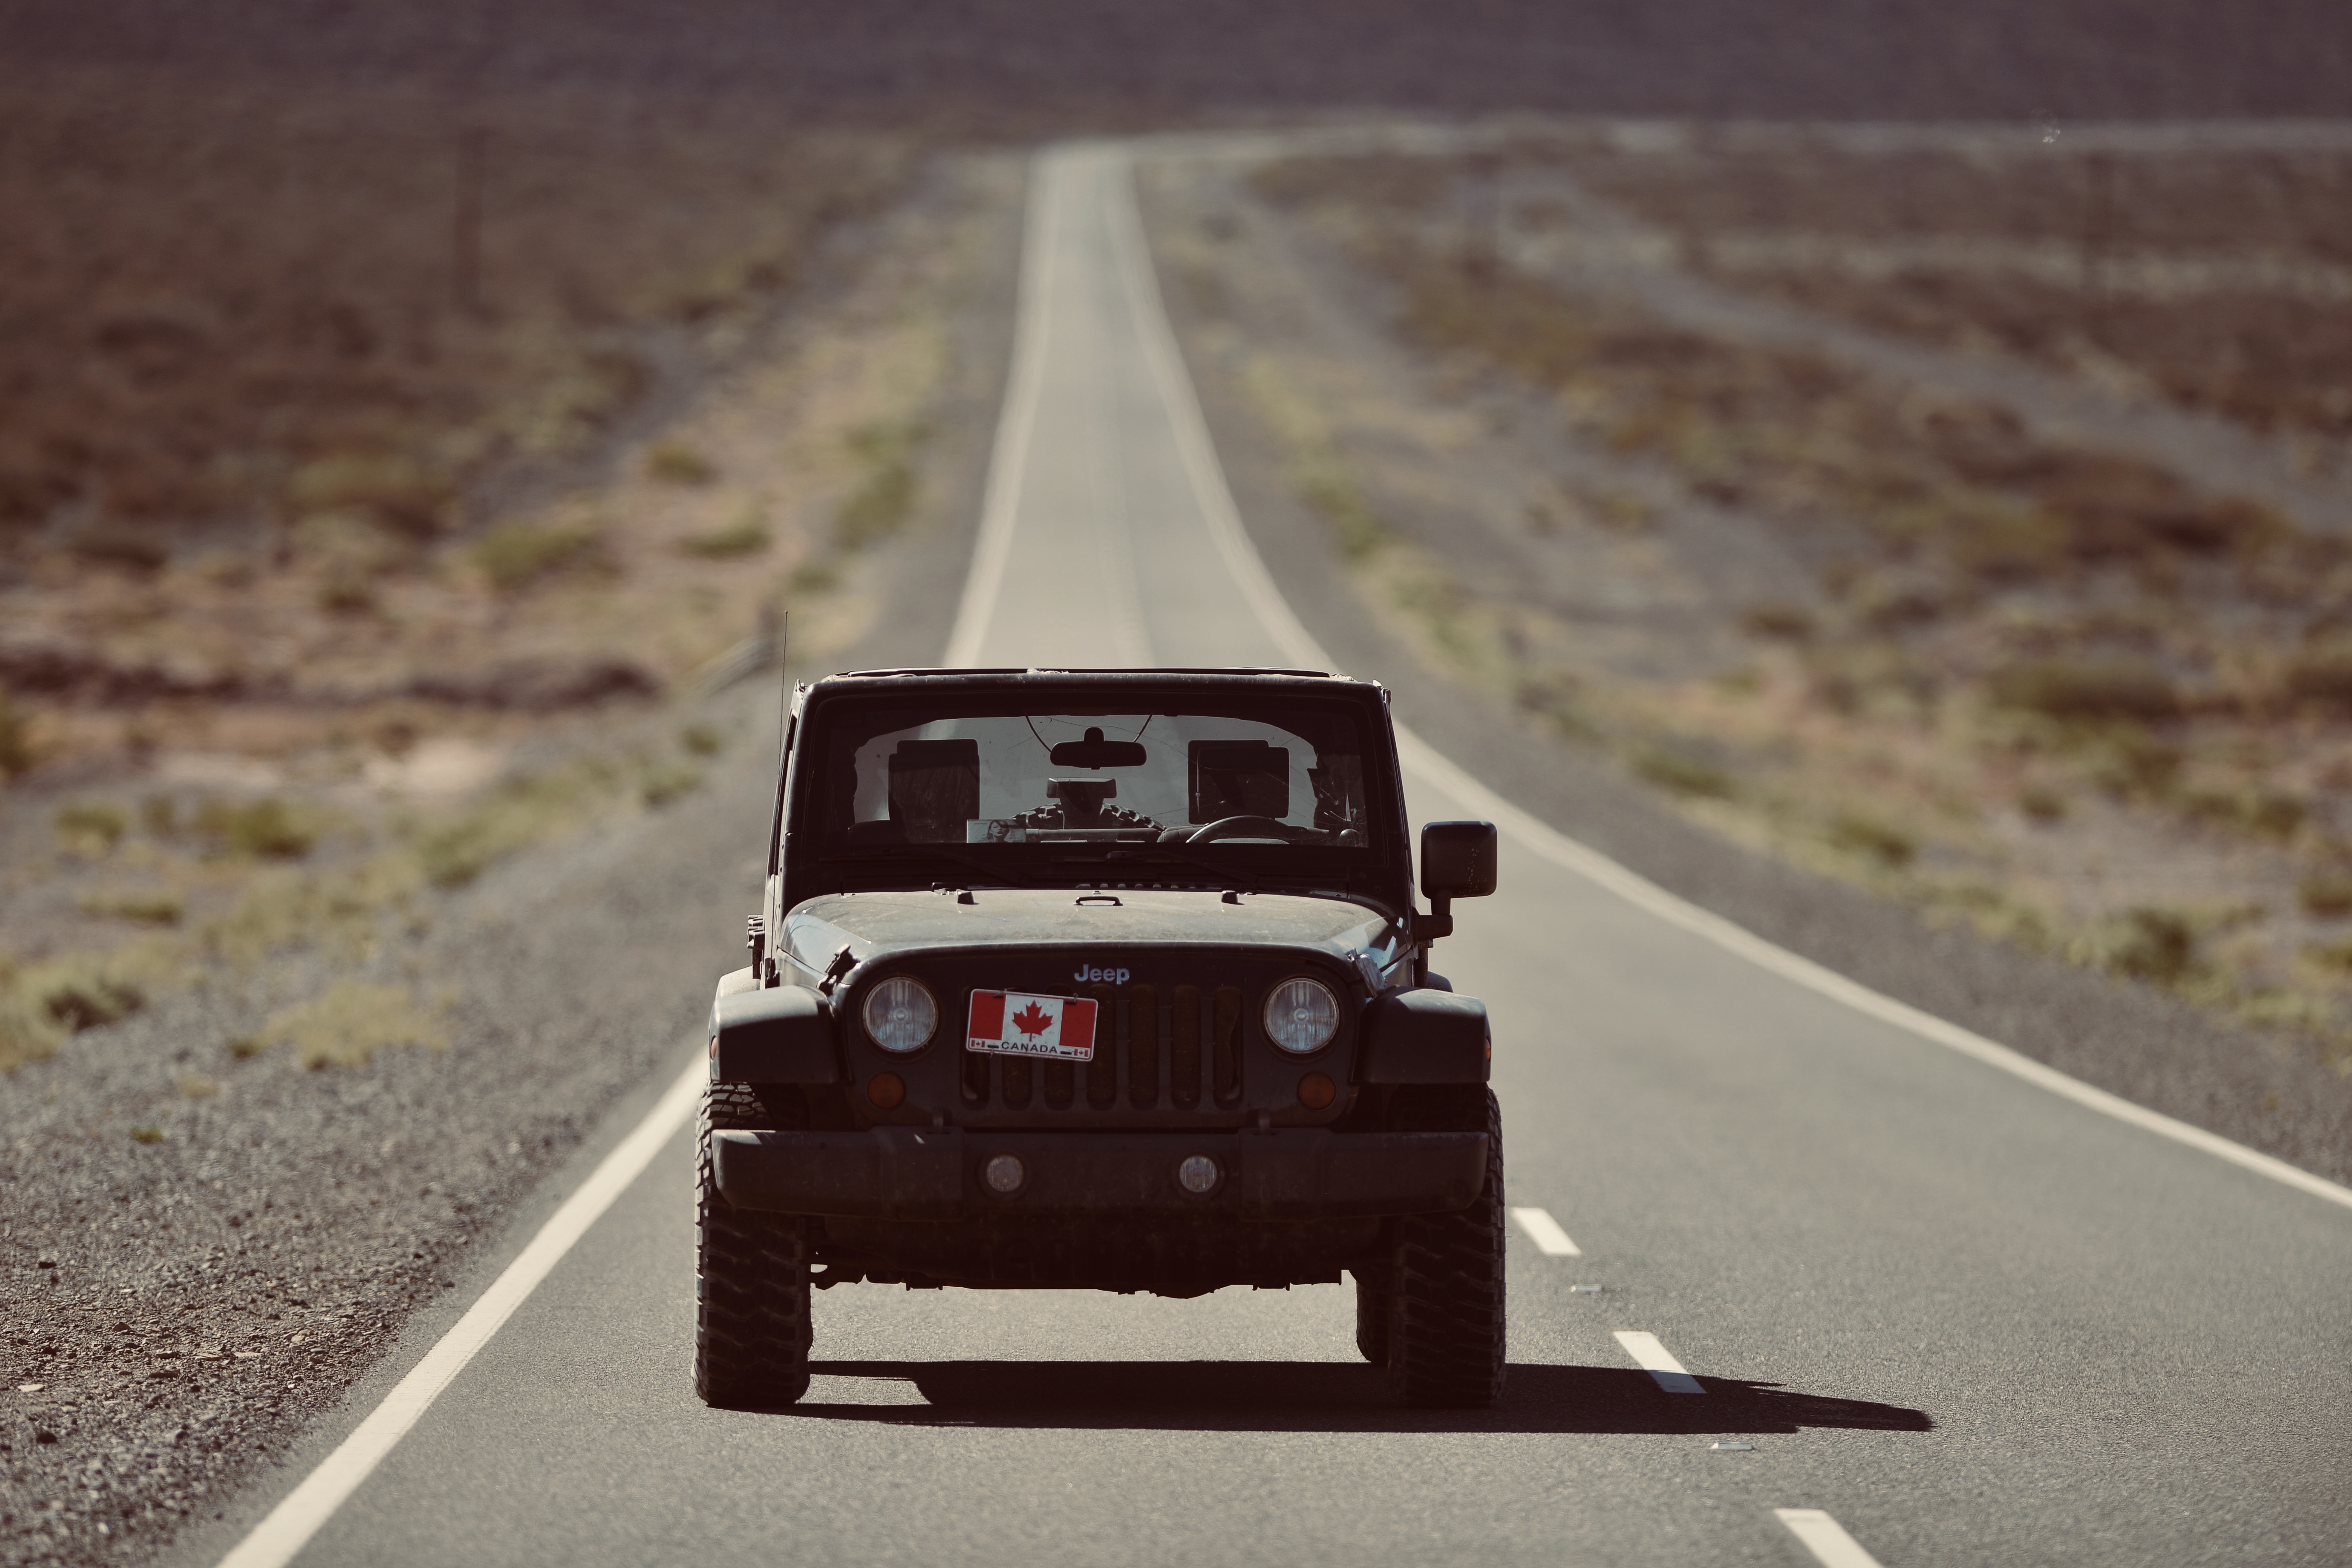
1544 1232
1825 1538
1658 1361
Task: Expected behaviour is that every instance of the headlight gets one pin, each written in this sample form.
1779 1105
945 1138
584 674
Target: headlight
1302 1015
900 1015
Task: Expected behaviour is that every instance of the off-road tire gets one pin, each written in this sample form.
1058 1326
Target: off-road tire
751 1280
1372 1313
1445 1340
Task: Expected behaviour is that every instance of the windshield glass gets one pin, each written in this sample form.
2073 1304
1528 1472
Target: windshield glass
1021 792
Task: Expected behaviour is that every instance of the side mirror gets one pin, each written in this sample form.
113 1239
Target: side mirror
1458 859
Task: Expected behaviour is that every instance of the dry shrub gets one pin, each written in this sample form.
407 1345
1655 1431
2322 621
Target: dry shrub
2087 690
676 463
748 534
225 299
515 556
2269 360
1685 774
265 829
347 1023
2320 676
93 826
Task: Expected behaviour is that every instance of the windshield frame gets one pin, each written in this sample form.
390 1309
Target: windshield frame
1380 872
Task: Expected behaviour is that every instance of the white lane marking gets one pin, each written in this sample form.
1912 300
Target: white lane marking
1544 1232
1217 503
1008 462
1658 1361
1825 1538
276 1540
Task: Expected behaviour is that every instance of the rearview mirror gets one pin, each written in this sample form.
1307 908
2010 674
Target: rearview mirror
1458 859
1093 752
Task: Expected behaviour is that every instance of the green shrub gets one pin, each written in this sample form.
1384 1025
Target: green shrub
139 909
1859 834
514 556
817 576
1361 534
349 1022
2042 804
395 491
1784 623
2335 955
2078 690
2321 677
120 543
97 824
676 463
146 1135
1684 774
15 739
747 535
2267 814
27 1034
665 782
2327 893
78 994
2148 943
876 509
266 829
701 740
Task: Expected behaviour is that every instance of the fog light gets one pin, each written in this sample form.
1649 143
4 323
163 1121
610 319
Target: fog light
1197 1174
1317 1091
1004 1175
887 1090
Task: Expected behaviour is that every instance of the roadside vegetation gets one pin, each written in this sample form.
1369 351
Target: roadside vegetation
2086 702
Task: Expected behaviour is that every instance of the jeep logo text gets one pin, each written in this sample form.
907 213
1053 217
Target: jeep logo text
1116 976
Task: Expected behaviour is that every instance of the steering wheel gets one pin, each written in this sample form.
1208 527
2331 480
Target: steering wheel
1243 827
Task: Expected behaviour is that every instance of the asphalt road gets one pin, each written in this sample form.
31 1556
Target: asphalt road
1972 1321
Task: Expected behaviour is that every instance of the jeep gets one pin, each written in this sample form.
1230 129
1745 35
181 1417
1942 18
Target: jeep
1108 980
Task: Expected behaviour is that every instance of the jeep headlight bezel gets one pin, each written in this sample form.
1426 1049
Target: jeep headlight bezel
1301 1015
900 1015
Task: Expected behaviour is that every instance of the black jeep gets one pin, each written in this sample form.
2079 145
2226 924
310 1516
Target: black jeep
1104 979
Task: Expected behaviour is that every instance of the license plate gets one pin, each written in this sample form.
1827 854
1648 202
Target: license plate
1017 1024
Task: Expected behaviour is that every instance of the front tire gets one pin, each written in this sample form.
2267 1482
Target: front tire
1445 1334
1373 1307
751 1280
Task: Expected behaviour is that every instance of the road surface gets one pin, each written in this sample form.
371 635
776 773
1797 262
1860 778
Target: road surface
1805 1283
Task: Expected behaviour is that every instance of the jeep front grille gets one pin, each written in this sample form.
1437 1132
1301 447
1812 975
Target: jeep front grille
1151 1047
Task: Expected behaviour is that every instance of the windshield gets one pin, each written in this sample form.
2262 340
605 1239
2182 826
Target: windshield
1178 795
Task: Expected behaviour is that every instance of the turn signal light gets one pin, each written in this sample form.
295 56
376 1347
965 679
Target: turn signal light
887 1089
1317 1091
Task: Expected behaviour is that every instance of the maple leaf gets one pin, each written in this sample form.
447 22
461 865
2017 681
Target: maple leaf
1032 1019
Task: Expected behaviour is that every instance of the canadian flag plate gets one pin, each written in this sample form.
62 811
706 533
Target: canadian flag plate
1016 1024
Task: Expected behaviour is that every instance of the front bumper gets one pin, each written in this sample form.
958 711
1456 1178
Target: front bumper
911 1173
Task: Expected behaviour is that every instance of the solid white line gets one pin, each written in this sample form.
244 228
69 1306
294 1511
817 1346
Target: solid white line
1216 501
1825 1538
1544 1232
1658 1361
276 1540
1008 462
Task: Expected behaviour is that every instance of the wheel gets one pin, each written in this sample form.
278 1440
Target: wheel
1445 1320
1373 1316
751 1280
